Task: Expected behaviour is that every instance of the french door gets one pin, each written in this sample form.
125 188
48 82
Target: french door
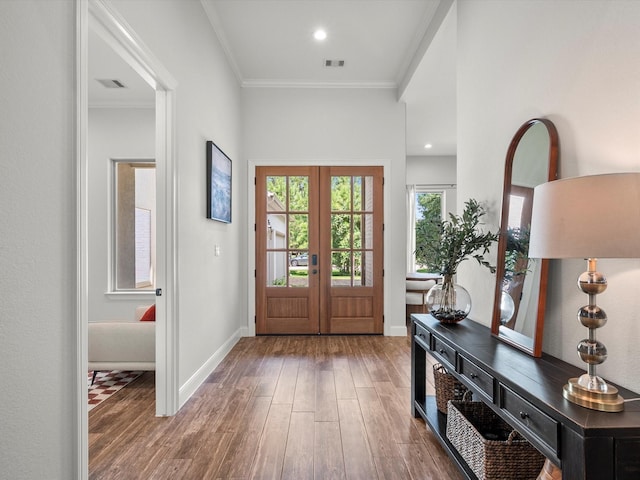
319 250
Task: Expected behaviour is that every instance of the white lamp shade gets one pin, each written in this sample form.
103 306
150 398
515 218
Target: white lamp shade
596 216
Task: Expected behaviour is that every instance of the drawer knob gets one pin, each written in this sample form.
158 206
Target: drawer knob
442 351
473 375
524 415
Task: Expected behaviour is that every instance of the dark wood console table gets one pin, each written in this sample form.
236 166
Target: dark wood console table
527 393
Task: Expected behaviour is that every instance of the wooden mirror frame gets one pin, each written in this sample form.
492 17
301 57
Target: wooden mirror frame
533 346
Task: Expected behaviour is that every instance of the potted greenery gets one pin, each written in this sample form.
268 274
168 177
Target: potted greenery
445 246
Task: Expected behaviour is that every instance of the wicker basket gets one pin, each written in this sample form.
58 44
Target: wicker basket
447 387
499 452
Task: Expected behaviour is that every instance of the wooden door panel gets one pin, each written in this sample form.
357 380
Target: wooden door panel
351 306
351 227
286 233
319 250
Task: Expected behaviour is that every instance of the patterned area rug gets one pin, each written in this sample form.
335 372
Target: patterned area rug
108 383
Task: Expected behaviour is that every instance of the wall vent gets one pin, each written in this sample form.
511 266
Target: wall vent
109 83
334 63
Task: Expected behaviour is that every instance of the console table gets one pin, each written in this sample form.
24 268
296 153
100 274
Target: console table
527 393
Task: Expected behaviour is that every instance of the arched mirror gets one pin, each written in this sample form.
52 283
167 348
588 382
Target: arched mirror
521 282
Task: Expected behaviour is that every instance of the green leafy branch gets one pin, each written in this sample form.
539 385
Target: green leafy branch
446 244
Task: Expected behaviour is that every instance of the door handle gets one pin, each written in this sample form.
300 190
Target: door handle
314 260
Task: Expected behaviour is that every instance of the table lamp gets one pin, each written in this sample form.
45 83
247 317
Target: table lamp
588 217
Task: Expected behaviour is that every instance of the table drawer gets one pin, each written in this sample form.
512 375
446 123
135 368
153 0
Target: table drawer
444 353
477 376
423 335
528 418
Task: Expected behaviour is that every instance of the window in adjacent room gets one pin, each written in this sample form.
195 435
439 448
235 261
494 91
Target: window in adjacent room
429 207
134 225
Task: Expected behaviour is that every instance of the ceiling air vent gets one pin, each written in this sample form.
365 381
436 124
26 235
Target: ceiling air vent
334 63
108 83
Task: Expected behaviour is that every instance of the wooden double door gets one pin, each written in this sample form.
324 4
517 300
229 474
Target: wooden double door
319 252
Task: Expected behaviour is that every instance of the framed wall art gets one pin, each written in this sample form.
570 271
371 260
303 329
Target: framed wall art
218 184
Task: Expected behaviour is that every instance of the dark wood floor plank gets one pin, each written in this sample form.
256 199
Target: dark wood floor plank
398 411
286 385
392 468
242 449
304 399
328 460
206 463
298 458
297 407
358 460
345 387
326 401
379 430
358 369
270 455
421 464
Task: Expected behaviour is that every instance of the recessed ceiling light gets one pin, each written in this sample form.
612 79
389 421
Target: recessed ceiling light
428 145
320 34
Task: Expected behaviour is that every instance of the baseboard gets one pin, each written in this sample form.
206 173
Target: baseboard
191 385
397 331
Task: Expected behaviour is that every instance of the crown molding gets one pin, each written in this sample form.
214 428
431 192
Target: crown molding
258 83
218 29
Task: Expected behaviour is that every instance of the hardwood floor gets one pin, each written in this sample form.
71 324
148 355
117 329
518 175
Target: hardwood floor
333 407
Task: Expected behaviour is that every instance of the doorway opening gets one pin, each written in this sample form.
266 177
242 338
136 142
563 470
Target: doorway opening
97 17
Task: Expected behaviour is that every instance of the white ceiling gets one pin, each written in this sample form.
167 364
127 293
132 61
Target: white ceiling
384 44
105 63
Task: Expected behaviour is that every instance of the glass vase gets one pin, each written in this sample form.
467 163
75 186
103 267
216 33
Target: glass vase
448 302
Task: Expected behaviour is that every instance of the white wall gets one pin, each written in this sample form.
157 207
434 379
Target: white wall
436 171
37 240
114 133
576 63
212 313
341 127
431 170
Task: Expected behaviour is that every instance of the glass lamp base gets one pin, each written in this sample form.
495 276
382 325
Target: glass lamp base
604 401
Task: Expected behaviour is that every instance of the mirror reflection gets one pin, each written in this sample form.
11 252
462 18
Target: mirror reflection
521 281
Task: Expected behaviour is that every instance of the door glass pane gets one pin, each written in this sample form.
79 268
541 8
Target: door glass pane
367 268
357 231
299 270
357 194
341 269
356 273
276 194
299 194
367 231
340 231
351 231
276 231
298 232
287 232
367 195
276 269
340 194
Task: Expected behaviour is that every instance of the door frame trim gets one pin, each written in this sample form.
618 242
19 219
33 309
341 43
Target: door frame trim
388 329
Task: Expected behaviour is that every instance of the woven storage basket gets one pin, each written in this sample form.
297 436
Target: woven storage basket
491 448
447 387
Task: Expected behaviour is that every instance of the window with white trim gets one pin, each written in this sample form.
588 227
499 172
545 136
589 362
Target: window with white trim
427 206
133 245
